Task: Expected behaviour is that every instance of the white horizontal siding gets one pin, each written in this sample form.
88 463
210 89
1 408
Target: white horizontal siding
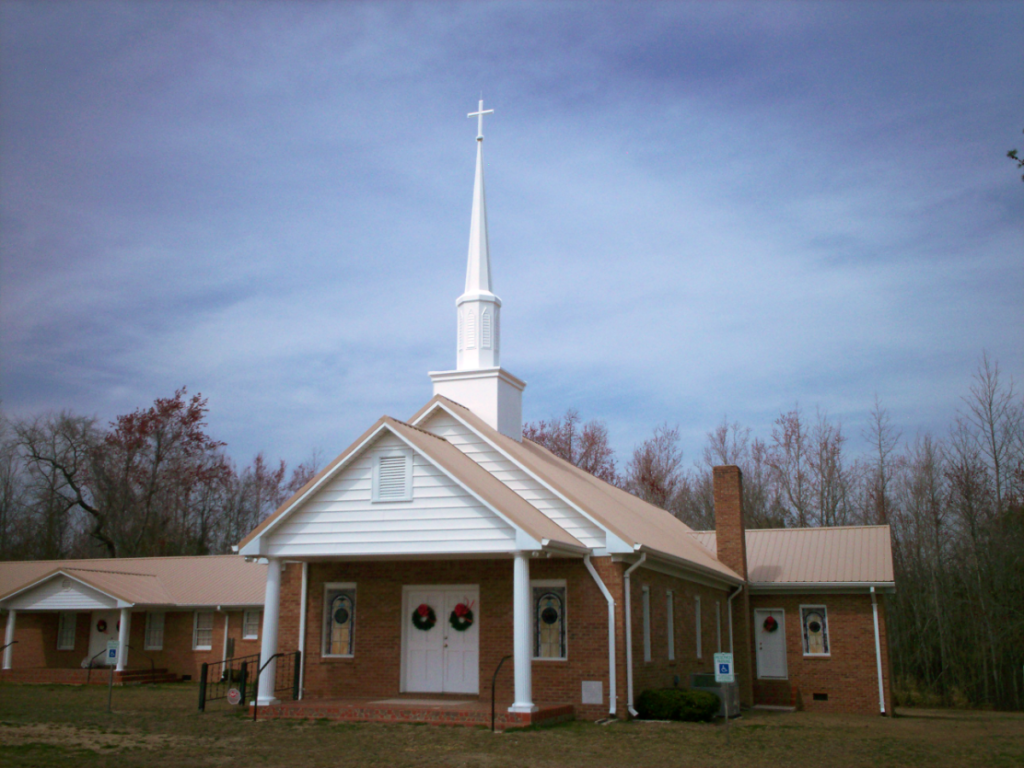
342 519
52 596
462 437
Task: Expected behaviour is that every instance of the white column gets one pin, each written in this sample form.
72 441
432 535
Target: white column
9 638
271 610
522 647
122 639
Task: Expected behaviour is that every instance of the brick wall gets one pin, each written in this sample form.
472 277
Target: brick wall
660 672
848 676
36 634
375 669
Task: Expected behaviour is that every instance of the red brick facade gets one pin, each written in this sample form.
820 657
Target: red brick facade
848 676
36 648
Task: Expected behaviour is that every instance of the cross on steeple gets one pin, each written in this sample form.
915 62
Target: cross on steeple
479 115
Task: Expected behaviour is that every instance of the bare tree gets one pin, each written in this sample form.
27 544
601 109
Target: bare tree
584 445
655 472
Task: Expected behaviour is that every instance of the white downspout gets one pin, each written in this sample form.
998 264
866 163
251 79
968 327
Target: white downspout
227 620
729 604
612 693
629 639
878 652
302 628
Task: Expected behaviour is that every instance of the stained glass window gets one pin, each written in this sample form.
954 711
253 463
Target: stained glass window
549 623
815 630
339 622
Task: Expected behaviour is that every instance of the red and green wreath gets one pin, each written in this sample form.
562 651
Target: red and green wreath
101 625
770 624
424 618
461 618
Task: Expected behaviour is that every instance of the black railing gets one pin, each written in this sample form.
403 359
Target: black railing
242 673
88 675
494 681
286 677
216 679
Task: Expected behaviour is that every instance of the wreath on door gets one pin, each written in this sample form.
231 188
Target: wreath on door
770 624
461 618
424 618
101 625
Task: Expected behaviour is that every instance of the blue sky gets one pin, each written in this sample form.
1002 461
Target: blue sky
696 210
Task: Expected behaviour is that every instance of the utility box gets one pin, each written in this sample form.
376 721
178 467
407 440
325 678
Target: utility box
728 693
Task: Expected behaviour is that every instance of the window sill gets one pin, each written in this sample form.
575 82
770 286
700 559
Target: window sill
250 637
549 658
154 648
203 648
817 655
336 659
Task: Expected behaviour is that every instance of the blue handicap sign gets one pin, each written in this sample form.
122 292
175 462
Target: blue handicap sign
723 669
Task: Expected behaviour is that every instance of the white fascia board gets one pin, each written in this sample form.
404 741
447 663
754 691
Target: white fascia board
121 603
845 587
256 548
608 534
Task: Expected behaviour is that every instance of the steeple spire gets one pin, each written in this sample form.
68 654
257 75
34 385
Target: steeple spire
478 307
478 381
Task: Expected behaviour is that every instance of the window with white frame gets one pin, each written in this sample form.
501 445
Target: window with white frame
155 631
67 623
549 629
814 621
392 476
696 623
339 619
646 601
670 624
251 625
202 631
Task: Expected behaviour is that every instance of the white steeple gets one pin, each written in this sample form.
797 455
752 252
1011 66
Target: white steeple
478 382
478 308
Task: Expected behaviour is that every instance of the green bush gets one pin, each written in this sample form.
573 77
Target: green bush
677 704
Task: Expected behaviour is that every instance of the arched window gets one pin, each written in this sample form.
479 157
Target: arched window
339 622
549 623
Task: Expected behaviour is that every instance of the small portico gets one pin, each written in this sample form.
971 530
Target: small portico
408 507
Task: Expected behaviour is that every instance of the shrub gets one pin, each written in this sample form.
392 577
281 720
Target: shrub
677 704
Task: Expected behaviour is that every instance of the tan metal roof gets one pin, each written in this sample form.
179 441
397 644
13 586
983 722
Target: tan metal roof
165 581
846 555
634 521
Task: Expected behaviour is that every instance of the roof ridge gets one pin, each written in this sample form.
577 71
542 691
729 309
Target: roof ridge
118 573
418 429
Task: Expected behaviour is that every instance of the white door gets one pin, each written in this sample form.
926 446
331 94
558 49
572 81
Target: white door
102 629
442 659
424 648
461 647
771 643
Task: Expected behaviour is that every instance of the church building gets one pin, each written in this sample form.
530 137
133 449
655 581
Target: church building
436 547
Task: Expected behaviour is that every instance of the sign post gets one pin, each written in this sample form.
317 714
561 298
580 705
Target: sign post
725 673
110 659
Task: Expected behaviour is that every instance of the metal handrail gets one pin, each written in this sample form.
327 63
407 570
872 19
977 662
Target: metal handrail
152 664
4 647
256 699
494 680
88 675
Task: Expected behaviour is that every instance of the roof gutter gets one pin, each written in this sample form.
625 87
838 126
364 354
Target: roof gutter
689 565
818 586
629 638
878 652
612 693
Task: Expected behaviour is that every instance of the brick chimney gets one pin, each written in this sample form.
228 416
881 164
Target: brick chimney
729 527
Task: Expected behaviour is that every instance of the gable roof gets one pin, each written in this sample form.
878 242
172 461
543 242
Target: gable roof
208 580
793 556
637 523
478 481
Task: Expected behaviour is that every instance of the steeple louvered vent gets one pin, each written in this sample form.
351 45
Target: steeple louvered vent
393 478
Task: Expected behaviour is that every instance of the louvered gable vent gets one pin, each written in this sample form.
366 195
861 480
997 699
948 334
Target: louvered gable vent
393 478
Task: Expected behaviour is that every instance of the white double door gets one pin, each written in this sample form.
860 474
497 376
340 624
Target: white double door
441 659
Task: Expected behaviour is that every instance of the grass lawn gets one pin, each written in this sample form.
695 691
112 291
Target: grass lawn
159 725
